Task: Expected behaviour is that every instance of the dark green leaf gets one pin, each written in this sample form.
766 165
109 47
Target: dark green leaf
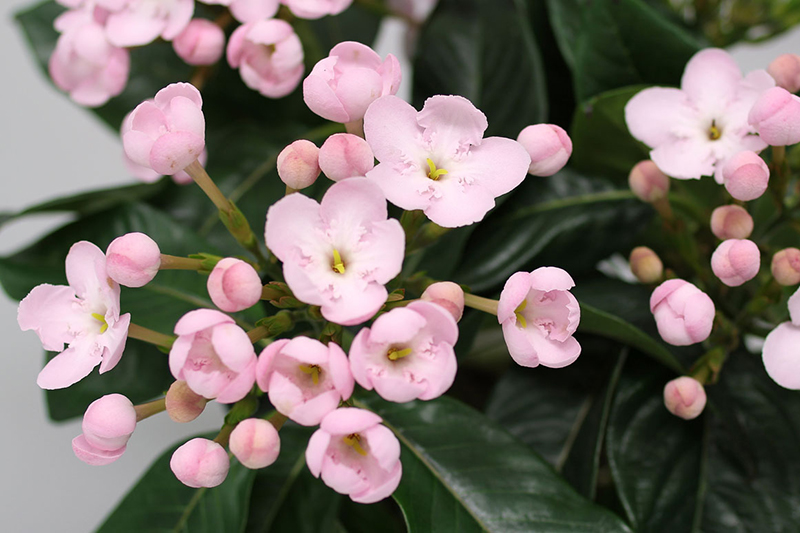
159 502
383 516
463 473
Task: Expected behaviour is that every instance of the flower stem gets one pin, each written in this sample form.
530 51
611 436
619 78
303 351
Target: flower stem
258 333
224 435
171 262
148 335
277 420
149 409
355 128
201 178
481 304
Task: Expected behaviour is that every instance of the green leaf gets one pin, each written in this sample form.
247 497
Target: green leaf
159 502
463 473
655 457
613 43
384 516
483 50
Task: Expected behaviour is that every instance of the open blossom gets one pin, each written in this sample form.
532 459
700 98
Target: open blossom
684 314
693 130
168 133
341 87
539 316
437 159
213 356
314 9
407 353
340 253
780 355
139 22
84 315
355 455
304 378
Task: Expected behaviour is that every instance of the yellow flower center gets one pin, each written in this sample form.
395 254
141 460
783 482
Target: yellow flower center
313 370
338 264
394 353
521 322
354 440
100 318
714 132
435 173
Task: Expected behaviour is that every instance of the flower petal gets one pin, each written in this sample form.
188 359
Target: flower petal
655 115
70 366
711 79
780 355
451 124
48 310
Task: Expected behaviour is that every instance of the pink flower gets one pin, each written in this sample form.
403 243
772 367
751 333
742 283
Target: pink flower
437 160
684 314
695 129
539 316
84 315
685 397
786 70
549 147
200 43
647 182
341 87
213 356
141 22
731 222
785 266
249 10
340 253
314 9
736 261
84 62
200 463
133 259
447 294
407 353
776 117
168 133
255 443
107 425
269 56
304 378
355 455
746 176
234 285
344 155
780 355
94 456
298 164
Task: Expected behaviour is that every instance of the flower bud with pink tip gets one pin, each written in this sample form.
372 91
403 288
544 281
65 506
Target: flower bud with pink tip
539 316
646 265
200 463
255 443
684 314
785 69
736 261
341 87
213 356
167 133
407 353
109 422
133 259
776 117
269 56
647 181
200 43
355 455
234 285
746 176
685 397
298 164
549 147
182 403
448 295
344 155
314 9
785 266
731 222
305 379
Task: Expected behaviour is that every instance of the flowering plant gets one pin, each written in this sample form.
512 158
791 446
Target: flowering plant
426 306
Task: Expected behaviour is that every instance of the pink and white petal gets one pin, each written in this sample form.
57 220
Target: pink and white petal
185 115
206 384
664 290
794 307
498 164
699 316
264 365
175 151
71 365
94 456
452 124
303 286
398 326
200 319
312 411
685 158
520 346
383 445
391 73
405 186
315 451
352 203
355 304
384 490
351 54
513 294
178 355
781 357
137 146
551 279
339 367
174 90
233 346
381 252
347 420
293 223
438 321
322 100
253 10
126 29
711 79
459 204
653 115
49 310
552 353
114 340
239 386
342 478
391 129
356 89
86 270
308 351
179 16
399 388
359 352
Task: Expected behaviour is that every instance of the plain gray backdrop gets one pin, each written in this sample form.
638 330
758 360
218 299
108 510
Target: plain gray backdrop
51 147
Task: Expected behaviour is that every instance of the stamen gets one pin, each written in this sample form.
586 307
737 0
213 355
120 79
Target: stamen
435 173
338 264
313 370
714 132
521 322
354 440
100 318
394 354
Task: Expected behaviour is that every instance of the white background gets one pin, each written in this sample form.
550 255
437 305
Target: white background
50 147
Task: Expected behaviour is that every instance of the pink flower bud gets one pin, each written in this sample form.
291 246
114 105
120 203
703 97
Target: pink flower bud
234 285
94 456
448 295
731 222
133 259
684 314
776 117
786 70
343 155
255 443
317 8
342 86
549 147
685 397
298 164
786 266
646 265
201 43
109 422
746 176
200 463
183 404
647 181
736 261
780 356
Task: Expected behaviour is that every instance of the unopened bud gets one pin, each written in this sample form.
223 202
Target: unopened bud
776 117
736 261
255 443
786 266
549 147
448 295
646 265
685 397
109 422
200 463
201 43
298 164
785 69
344 155
234 285
731 222
746 176
647 182
133 259
183 404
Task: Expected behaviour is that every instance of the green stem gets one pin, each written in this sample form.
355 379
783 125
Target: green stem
481 304
224 435
171 262
257 333
149 409
148 335
277 420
